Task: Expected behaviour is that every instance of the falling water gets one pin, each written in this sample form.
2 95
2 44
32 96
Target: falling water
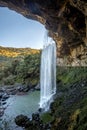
48 75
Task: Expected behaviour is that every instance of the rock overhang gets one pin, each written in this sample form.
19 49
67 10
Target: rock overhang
66 22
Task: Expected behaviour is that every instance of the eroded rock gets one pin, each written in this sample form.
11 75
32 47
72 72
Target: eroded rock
21 120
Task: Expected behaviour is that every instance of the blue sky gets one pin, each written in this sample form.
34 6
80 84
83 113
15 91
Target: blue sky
18 31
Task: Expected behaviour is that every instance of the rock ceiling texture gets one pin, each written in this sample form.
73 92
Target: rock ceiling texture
66 22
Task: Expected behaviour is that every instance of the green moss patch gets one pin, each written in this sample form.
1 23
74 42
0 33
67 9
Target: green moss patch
46 117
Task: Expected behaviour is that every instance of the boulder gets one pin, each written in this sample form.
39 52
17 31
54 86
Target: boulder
37 87
1 95
5 96
36 117
1 112
21 120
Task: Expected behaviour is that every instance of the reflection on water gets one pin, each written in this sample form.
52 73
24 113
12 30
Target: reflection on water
21 104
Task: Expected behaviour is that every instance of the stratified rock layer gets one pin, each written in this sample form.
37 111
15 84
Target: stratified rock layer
66 22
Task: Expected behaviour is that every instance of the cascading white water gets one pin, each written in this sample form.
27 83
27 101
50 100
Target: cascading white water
48 75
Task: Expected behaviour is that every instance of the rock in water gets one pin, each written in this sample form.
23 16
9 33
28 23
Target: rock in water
21 120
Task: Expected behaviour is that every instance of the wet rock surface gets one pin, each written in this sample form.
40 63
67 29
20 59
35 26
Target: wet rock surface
21 120
37 87
14 89
34 123
3 97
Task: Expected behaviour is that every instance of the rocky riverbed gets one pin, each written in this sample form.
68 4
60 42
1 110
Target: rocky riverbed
18 89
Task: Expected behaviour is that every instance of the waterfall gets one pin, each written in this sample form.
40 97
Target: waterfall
48 75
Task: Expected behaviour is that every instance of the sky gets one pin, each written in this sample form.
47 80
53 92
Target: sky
18 31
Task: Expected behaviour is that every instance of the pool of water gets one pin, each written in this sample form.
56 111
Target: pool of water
20 104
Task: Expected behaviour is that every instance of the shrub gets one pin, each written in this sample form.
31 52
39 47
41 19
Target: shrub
9 80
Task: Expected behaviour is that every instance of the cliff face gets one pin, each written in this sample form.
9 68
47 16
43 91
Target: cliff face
66 22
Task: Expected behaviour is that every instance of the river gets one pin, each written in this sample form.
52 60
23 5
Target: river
19 104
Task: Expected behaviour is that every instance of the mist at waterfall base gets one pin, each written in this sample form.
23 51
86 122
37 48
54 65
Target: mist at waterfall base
48 75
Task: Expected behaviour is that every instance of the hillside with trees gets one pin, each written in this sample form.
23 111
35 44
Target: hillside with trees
16 52
19 65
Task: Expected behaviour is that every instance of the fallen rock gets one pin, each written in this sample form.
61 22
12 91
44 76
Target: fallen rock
21 120
37 87
1 95
35 117
1 112
23 88
5 96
